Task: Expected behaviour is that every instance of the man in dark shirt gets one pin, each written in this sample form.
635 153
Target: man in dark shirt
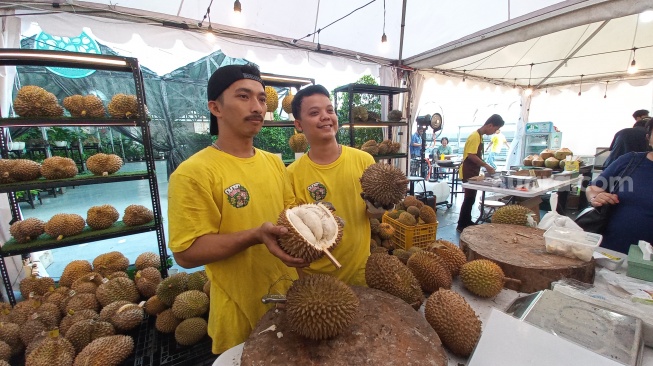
629 139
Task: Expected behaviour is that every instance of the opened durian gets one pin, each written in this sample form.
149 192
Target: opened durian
271 99
298 142
89 106
123 106
482 277
101 217
104 164
383 185
58 167
312 229
18 170
320 306
34 101
27 230
360 114
511 214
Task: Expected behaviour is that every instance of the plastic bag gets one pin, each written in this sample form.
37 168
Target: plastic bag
552 218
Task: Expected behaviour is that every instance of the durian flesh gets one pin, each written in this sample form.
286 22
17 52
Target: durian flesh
312 228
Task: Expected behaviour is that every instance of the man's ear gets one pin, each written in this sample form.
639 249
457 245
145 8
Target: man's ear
215 108
298 125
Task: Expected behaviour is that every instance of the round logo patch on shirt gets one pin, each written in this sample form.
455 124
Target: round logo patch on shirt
237 195
317 191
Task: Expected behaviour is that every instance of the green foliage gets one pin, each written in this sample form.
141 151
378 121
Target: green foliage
371 102
275 140
60 134
31 134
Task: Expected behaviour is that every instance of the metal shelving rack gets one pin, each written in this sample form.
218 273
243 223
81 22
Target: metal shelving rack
388 91
22 57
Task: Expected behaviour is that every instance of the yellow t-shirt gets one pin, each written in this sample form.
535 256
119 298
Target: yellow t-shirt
214 192
471 147
497 142
339 184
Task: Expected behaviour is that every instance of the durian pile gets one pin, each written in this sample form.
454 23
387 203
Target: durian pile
548 158
412 211
56 167
384 147
408 274
65 225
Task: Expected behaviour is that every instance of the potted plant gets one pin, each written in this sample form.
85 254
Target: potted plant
60 136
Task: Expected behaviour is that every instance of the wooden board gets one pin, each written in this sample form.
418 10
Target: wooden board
521 254
386 331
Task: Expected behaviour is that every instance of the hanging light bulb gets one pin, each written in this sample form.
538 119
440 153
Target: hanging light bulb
528 91
384 38
237 7
633 65
464 72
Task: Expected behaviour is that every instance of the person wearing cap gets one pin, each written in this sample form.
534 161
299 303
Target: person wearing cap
631 139
222 203
471 166
332 172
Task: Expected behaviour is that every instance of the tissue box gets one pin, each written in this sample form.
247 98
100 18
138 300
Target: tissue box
637 266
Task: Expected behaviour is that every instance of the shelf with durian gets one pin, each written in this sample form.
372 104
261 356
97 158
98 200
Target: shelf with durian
267 123
69 121
373 124
46 242
78 180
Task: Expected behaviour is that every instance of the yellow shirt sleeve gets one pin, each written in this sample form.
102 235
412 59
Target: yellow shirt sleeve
471 145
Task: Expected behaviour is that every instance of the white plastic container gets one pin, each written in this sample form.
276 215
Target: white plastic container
571 243
609 259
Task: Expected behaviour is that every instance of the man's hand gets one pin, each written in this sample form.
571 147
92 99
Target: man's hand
268 235
604 198
490 170
374 212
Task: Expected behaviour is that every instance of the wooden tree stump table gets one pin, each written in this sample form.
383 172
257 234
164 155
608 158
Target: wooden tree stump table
521 254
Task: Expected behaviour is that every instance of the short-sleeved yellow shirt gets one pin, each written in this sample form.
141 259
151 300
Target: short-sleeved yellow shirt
471 147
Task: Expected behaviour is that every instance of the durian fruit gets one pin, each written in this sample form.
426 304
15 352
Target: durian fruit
298 142
386 231
34 101
117 274
197 280
427 214
123 106
147 259
395 115
166 321
73 271
394 214
312 229
127 317
117 289
551 163
18 170
271 99
9 333
412 201
106 351
455 322
30 329
562 153
320 306
5 351
108 263
373 116
104 164
413 210
482 277
86 331
371 147
387 273
396 146
27 230
207 288
360 114
450 254
383 185
511 214
110 310
101 217
172 286
190 304
49 314
402 254
79 301
191 331
384 147
36 285
58 167
286 103
64 225
137 215
53 350
147 280
407 219
89 106
374 225
380 250
87 283
430 271
154 306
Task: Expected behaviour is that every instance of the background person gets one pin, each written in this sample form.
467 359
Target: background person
221 205
471 166
416 143
497 141
632 211
629 139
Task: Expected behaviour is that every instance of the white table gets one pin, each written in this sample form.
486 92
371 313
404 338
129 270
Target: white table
543 185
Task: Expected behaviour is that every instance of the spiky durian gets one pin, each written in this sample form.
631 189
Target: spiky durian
320 306
64 225
137 215
123 106
147 259
286 104
58 167
511 214
109 351
383 184
395 115
27 230
108 263
101 217
298 142
312 229
34 101
387 273
191 331
190 304
89 106
429 270
360 114
104 164
450 254
18 170
482 277
271 99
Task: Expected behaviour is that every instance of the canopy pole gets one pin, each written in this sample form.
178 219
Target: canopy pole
401 37
573 53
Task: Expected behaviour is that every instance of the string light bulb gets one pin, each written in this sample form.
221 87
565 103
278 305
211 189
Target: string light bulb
237 7
384 38
632 69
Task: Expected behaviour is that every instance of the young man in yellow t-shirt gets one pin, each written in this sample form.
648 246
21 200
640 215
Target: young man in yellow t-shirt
471 166
331 172
496 144
222 202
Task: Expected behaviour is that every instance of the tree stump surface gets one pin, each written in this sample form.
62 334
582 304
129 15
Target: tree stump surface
386 331
521 254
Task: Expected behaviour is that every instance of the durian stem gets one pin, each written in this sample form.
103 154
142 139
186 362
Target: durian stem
300 273
332 258
513 280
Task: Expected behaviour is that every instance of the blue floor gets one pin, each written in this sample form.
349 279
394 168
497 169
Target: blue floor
79 199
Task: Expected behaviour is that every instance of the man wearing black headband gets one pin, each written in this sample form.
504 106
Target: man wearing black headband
222 203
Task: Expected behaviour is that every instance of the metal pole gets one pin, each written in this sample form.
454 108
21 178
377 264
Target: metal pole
401 37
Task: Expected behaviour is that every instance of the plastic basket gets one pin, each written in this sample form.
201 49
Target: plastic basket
407 236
